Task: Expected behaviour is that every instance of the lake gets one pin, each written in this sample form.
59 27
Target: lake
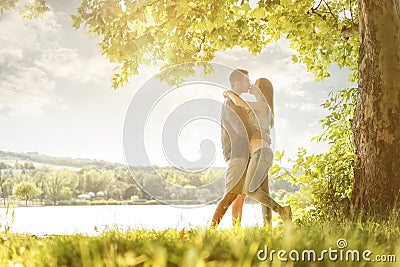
86 219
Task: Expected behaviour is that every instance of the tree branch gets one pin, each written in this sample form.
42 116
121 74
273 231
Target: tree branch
315 8
349 31
330 11
202 41
314 11
351 11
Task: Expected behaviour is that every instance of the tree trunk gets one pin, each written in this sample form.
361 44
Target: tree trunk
376 123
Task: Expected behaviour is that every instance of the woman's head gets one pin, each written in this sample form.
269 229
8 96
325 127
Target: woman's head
264 86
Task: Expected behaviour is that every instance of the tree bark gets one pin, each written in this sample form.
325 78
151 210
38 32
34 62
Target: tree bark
376 123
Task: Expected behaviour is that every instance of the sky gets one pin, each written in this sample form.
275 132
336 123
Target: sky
56 96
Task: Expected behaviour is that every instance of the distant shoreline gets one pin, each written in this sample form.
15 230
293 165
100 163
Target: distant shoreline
102 203
21 204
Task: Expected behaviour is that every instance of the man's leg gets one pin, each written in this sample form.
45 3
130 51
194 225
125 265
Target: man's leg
235 176
237 208
222 206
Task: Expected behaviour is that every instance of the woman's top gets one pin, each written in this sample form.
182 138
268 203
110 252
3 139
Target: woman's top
260 122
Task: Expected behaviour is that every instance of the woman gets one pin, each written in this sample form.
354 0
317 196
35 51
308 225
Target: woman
261 120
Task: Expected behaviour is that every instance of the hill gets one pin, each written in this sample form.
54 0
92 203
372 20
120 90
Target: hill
38 159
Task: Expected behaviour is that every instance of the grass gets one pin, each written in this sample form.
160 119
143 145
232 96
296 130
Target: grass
204 246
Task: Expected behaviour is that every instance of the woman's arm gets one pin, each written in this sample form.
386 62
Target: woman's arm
238 101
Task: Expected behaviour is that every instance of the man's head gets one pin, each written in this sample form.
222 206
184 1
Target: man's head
239 80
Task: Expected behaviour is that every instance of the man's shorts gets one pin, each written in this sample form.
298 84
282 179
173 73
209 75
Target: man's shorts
235 175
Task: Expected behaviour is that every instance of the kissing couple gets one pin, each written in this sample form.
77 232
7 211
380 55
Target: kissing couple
246 144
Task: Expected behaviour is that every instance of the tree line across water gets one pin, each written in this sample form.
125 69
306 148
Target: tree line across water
107 183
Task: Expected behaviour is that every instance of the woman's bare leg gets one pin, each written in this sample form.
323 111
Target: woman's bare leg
222 207
266 211
237 208
258 166
265 199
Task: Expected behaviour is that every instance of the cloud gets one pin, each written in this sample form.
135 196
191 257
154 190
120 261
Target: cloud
66 63
303 141
8 53
304 107
15 32
35 59
25 91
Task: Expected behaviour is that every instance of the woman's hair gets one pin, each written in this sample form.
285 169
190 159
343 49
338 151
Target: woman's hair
267 90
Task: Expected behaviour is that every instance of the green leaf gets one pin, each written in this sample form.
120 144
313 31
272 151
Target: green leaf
76 21
274 169
259 13
278 155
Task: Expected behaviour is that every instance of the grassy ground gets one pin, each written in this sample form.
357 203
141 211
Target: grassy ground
209 247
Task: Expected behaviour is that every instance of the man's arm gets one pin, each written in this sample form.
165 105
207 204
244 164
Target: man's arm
226 144
235 119
225 140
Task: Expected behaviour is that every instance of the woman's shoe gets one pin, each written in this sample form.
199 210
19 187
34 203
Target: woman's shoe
286 213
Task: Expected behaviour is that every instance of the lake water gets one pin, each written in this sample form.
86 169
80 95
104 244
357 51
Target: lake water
86 219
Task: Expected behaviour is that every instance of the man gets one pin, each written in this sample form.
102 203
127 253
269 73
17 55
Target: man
235 146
